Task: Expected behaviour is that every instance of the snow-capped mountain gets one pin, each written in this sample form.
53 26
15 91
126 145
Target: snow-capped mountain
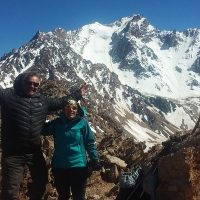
145 79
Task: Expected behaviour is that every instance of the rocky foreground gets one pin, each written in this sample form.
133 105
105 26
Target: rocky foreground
177 173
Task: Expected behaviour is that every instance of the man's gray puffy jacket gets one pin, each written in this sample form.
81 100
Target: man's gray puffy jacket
23 118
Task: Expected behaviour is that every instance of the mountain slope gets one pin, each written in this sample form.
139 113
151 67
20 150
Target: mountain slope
145 79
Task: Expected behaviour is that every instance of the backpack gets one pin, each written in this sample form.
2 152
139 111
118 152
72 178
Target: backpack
127 182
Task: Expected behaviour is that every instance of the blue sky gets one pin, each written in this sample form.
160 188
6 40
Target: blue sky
21 19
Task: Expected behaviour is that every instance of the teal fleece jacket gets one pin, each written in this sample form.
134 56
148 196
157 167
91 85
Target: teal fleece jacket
72 139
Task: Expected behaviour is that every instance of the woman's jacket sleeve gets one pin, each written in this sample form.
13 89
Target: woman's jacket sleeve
89 142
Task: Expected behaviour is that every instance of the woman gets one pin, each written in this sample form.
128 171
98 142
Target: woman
72 139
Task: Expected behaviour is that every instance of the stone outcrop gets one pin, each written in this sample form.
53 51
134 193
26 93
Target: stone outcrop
178 172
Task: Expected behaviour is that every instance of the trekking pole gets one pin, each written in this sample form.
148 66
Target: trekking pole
143 191
140 182
196 125
167 146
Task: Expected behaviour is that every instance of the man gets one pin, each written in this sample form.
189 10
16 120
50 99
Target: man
23 113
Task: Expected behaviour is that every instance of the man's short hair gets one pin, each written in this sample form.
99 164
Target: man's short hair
30 74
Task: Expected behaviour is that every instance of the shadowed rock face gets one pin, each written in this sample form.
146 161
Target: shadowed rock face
164 105
179 171
195 66
170 40
177 176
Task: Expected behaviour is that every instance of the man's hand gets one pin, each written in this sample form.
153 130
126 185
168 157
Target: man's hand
84 89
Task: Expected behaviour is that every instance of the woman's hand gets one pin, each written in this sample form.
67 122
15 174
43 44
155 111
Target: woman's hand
94 165
84 88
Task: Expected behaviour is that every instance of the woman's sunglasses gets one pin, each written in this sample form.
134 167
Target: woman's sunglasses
29 83
71 107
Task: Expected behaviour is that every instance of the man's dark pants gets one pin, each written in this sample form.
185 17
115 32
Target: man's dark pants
74 178
12 171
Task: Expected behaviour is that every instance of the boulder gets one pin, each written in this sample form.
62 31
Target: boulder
179 175
115 160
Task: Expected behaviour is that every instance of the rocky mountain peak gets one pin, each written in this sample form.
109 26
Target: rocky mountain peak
60 33
38 35
191 32
136 18
137 26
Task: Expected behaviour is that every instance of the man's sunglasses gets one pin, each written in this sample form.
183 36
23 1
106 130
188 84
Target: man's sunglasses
29 83
71 107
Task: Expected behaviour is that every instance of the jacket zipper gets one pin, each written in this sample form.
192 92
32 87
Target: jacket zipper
78 144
